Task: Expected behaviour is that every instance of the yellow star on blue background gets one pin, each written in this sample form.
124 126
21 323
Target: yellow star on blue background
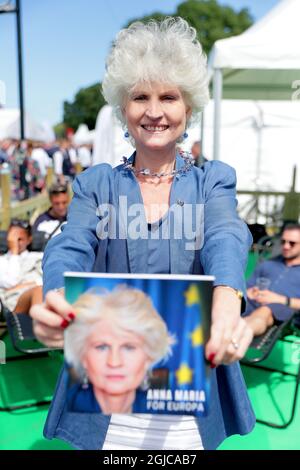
197 336
192 295
184 374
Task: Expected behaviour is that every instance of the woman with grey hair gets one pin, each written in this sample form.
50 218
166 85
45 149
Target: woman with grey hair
112 344
156 213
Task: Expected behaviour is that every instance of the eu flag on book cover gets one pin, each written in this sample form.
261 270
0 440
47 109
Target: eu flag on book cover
163 319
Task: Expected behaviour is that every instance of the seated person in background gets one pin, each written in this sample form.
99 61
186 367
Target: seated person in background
20 269
274 287
50 221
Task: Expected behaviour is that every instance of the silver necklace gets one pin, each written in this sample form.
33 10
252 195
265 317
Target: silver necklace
188 164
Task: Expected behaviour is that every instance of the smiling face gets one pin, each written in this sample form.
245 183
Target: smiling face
156 115
115 360
59 204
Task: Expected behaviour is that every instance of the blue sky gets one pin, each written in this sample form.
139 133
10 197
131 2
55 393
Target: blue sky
65 43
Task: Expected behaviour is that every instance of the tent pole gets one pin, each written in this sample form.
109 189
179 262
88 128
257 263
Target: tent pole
200 159
217 93
20 69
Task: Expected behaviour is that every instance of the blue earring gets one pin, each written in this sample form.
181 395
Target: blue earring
126 134
185 135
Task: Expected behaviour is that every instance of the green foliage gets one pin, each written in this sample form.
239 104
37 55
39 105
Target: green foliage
85 107
60 130
154 16
211 20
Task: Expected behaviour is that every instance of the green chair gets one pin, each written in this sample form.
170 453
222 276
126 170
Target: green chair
260 350
21 335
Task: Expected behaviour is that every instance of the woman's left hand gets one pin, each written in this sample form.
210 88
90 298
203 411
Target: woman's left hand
230 334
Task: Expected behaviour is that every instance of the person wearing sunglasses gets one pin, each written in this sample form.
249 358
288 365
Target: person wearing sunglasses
278 298
20 269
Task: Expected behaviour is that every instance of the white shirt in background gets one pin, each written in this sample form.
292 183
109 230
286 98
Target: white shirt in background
84 156
58 162
42 158
18 269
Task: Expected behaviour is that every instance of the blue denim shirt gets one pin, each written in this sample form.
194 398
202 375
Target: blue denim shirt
223 254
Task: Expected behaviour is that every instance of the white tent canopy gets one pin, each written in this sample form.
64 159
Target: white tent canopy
259 139
262 63
10 127
109 142
83 135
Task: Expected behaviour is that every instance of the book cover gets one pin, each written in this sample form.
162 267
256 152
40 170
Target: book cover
137 343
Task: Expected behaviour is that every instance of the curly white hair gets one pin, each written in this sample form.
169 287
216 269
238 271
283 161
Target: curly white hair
166 51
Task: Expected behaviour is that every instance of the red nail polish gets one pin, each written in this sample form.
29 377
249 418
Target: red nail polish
211 357
71 316
64 324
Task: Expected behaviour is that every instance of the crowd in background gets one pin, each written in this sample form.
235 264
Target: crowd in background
20 267
28 161
22 249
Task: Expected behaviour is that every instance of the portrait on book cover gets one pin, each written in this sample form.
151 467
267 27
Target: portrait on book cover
137 345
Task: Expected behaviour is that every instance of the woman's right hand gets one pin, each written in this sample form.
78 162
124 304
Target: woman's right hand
51 318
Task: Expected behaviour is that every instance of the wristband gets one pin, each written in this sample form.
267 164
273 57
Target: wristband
237 292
